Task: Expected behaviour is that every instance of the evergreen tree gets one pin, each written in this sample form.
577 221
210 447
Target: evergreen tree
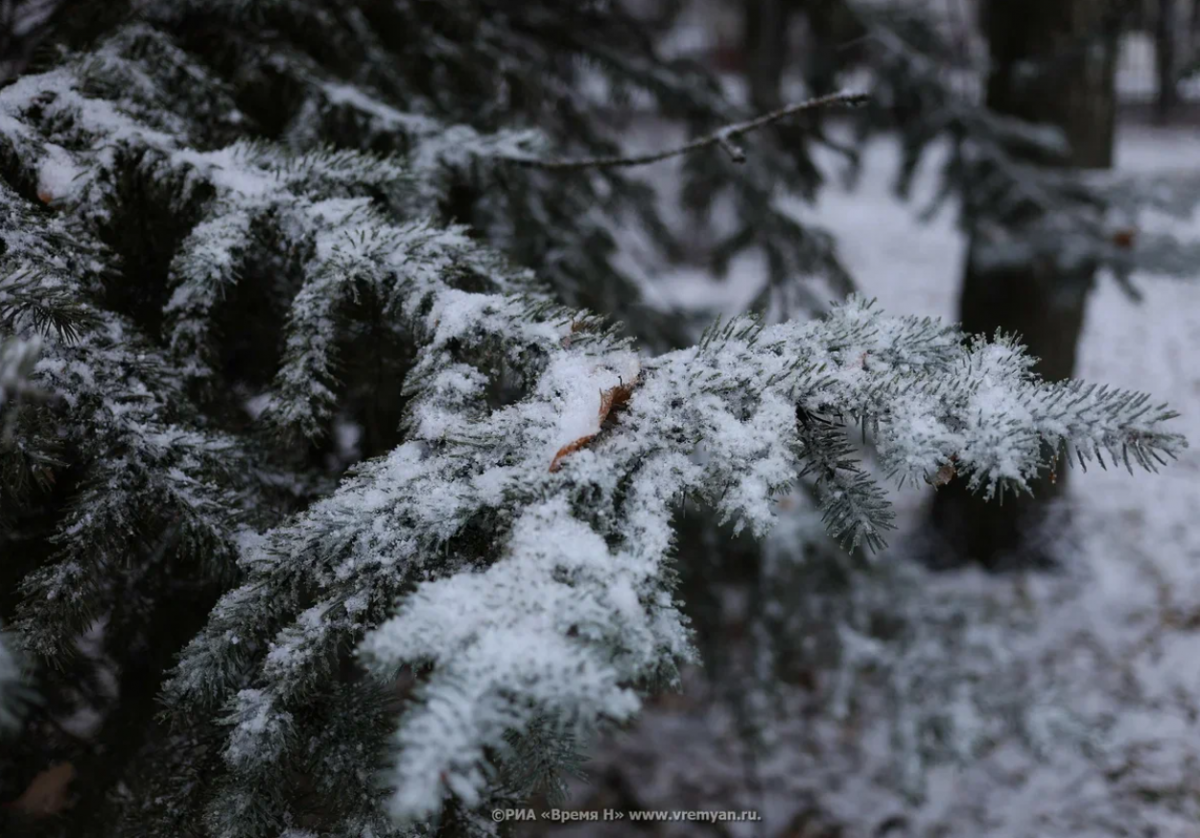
1043 220
259 242
1043 300
1167 30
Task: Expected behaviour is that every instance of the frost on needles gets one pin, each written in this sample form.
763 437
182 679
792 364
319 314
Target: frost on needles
505 571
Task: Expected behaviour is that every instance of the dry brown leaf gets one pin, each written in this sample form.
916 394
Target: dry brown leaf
48 793
611 401
45 197
568 449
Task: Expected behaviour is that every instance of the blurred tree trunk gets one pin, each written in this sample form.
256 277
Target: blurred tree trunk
765 46
832 32
766 26
1165 40
1072 88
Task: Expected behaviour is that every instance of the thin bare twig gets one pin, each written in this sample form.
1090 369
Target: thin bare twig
723 138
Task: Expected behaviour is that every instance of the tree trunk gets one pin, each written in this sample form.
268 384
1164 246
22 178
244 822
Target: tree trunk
1165 35
1045 306
834 32
765 45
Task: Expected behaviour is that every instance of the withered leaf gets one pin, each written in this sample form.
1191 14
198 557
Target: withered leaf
611 401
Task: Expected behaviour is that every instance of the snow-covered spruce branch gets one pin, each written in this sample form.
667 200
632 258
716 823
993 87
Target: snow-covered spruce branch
574 610
562 225
112 392
725 138
536 631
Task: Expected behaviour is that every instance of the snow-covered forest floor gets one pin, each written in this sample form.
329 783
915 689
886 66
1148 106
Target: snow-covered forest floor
1110 645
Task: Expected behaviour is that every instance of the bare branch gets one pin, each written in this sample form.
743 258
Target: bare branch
723 138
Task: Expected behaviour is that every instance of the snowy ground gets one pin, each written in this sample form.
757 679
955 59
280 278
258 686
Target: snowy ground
1116 638
1133 596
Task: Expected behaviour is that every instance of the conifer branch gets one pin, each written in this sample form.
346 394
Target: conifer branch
723 138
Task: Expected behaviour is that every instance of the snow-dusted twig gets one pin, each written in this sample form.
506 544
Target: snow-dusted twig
724 138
